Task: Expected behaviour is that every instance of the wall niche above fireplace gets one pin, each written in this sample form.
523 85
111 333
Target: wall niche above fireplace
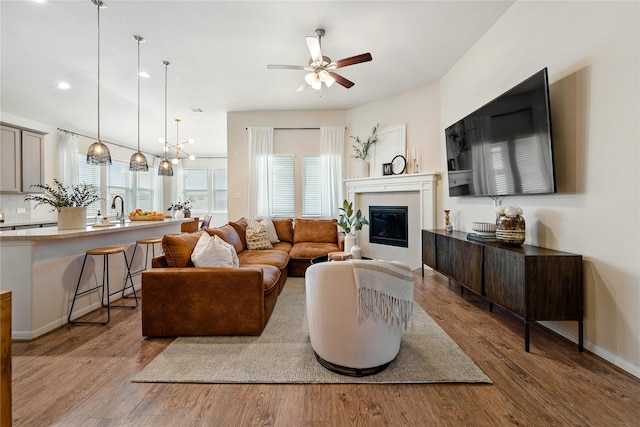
389 225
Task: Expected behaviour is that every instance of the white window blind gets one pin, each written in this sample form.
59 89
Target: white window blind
195 189
311 190
283 186
219 190
90 175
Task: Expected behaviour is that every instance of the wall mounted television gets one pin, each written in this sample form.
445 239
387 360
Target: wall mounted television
505 147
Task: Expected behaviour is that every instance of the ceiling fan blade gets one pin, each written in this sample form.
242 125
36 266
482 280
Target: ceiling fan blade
302 87
313 43
286 67
341 80
365 57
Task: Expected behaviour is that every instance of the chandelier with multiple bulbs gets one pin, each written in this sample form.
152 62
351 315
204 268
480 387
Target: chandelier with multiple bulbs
178 146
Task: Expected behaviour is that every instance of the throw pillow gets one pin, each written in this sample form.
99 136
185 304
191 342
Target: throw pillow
234 255
271 229
257 236
210 253
177 249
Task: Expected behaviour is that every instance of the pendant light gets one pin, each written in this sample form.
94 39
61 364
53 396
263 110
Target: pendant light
98 153
165 168
138 162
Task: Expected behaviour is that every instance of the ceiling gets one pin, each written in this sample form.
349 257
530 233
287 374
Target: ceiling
218 51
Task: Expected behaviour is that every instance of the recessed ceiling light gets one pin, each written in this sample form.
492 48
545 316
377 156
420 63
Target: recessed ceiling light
144 74
64 85
40 1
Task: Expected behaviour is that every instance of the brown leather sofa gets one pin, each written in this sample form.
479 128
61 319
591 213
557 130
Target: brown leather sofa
182 300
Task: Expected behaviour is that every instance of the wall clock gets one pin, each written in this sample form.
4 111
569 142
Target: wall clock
398 164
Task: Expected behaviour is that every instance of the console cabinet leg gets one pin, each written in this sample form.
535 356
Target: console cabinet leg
526 336
580 336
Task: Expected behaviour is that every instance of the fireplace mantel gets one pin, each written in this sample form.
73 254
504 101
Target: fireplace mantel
424 183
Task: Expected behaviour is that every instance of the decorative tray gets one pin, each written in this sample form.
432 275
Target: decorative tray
147 217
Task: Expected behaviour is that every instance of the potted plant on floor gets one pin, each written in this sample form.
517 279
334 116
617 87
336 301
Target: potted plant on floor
350 223
70 201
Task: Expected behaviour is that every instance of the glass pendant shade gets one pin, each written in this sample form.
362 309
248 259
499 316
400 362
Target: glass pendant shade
98 153
165 168
138 163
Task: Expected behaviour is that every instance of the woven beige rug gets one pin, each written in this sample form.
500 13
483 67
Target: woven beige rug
283 354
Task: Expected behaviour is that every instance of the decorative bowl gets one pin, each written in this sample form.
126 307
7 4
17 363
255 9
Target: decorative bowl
483 227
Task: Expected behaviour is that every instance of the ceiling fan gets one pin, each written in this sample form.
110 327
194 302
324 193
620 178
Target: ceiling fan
321 67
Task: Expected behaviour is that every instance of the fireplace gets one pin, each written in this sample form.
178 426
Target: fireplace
388 225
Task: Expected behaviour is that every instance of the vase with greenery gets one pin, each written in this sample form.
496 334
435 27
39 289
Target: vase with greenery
350 222
59 196
69 201
361 151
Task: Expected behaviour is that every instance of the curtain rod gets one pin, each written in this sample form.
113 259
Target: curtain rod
316 128
104 140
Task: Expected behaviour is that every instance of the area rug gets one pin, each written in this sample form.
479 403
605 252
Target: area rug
283 354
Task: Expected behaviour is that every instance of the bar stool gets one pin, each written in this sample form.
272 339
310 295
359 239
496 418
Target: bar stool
104 252
146 242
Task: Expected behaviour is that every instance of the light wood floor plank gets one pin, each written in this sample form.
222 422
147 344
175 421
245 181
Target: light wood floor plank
81 376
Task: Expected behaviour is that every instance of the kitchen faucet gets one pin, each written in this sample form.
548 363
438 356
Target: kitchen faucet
119 216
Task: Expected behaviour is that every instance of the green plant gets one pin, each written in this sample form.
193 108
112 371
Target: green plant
361 147
59 196
349 221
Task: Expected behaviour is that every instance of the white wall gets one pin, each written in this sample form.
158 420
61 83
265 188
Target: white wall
591 50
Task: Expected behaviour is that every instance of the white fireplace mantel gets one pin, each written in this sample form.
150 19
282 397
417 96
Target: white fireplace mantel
424 183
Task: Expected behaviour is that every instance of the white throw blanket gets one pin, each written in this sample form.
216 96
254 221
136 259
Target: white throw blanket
384 290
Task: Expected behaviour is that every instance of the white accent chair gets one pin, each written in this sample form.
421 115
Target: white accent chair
341 342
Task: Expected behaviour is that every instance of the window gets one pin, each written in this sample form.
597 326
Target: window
283 186
207 188
311 190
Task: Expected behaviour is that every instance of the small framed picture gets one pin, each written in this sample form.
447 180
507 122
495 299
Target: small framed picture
387 169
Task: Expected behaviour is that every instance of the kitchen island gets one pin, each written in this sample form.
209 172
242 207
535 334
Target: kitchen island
41 266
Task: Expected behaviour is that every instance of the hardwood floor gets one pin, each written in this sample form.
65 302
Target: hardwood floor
80 376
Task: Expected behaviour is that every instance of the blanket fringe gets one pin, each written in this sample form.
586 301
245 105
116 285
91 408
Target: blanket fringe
371 302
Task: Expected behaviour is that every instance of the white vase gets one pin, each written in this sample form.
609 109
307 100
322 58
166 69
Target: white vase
360 168
349 242
356 252
179 214
72 218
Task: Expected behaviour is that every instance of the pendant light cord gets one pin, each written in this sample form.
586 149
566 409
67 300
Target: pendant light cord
98 4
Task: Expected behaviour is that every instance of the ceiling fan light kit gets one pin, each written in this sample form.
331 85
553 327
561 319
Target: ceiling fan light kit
320 68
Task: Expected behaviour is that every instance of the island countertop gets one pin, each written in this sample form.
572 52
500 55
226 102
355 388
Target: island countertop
52 233
41 267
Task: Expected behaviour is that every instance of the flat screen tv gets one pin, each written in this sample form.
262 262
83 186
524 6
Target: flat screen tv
505 147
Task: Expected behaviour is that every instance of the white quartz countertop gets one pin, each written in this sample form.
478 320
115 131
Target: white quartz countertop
52 233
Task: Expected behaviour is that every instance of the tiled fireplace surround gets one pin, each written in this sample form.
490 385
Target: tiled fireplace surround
416 191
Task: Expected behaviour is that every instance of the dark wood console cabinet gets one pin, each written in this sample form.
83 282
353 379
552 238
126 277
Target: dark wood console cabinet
531 282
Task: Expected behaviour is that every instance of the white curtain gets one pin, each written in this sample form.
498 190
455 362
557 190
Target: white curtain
331 149
68 159
260 151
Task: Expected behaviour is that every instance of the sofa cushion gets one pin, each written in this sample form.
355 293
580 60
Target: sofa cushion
283 246
270 276
241 228
229 235
310 250
271 229
178 248
284 228
257 236
316 231
273 257
213 252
